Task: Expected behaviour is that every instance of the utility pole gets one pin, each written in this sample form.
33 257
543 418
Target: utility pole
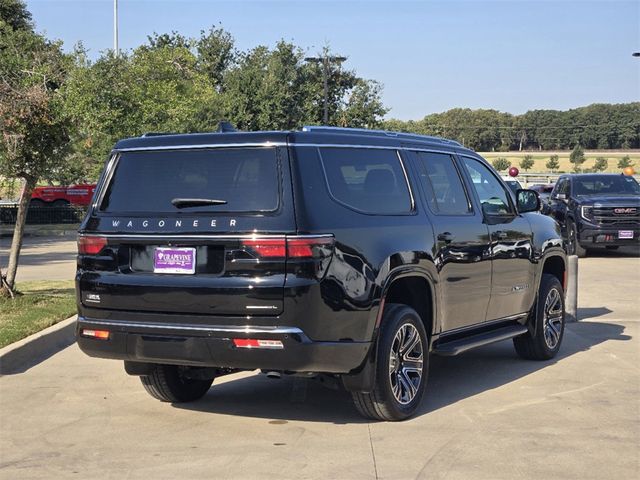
326 62
115 28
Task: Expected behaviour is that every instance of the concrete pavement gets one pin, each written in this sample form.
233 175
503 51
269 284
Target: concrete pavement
487 415
43 258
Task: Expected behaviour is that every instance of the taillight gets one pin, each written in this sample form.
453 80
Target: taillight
311 247
91 245
305 255
266 247
257 343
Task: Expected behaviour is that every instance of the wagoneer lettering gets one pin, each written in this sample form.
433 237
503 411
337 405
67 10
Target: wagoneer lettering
341 254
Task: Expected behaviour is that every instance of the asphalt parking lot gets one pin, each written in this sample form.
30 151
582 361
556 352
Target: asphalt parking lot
487 415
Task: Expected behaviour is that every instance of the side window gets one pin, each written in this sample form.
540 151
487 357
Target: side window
562 187
442 184
493 197
367 180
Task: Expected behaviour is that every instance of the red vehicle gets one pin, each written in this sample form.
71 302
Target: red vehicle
62 196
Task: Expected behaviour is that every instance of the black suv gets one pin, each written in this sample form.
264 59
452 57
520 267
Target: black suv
348 255
596 210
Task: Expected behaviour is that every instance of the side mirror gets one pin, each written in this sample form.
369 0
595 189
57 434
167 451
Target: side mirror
527 200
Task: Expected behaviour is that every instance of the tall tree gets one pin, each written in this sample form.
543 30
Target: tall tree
577 157
216 54
158 88
34 137
364 108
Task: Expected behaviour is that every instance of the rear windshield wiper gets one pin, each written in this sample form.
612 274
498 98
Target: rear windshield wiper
196 202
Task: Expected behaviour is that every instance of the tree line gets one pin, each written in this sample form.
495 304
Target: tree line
61 113
597 126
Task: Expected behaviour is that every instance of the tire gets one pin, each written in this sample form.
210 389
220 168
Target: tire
573 245
60 203
397 391
37 203
167 383
549 315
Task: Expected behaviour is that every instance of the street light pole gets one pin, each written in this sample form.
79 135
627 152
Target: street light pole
115 28
326 61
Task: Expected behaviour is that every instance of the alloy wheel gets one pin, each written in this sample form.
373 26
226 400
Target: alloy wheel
406 362
553 318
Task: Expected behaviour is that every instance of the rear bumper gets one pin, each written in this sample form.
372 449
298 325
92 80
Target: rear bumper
212 346
600 237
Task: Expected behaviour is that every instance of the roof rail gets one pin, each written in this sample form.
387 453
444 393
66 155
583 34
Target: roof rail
379 133
156 134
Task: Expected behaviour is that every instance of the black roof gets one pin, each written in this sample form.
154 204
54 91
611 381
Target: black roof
309 134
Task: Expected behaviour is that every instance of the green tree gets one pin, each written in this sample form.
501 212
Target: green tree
625 162
264 91
216 54
34 139
527 162
158 88
553 163
500 164
364 108
577 157
601 164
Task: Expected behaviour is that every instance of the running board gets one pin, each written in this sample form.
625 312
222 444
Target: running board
454 347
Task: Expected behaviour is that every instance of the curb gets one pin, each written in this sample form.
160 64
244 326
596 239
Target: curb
20 356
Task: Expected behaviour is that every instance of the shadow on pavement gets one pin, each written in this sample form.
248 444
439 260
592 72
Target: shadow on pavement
585 313
450 380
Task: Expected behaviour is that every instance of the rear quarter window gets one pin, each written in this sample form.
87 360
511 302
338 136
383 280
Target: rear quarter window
248 180
367 180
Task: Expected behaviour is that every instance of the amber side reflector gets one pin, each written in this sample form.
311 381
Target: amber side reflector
99 334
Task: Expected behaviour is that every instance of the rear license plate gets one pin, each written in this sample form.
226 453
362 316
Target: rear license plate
625 233
174 260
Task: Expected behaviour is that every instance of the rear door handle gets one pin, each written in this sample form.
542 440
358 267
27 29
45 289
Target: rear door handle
501 235
446 237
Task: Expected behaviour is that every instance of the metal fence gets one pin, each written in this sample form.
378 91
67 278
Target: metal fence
44 215
527 179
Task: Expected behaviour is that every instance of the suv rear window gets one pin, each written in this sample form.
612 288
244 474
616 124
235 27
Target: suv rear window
367 180
246 179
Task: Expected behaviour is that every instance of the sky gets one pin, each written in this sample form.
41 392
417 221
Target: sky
430 56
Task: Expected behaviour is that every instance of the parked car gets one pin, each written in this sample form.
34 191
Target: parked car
513 184
62 196
596 210
348 255
544 191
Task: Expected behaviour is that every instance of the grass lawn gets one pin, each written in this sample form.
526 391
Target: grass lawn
43 303
540 158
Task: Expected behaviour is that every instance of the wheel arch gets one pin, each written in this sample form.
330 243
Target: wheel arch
408 287
403 285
